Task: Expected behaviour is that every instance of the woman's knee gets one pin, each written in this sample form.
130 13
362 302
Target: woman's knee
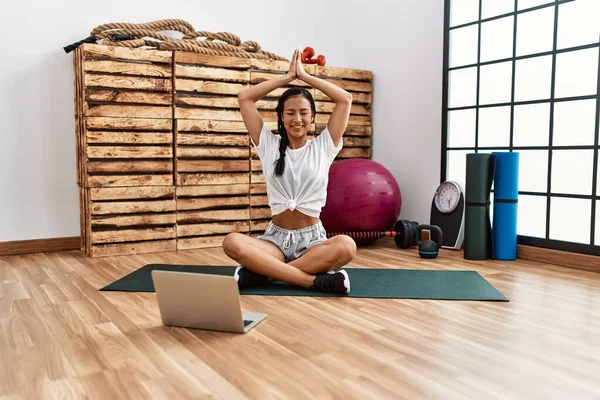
232 244
346 247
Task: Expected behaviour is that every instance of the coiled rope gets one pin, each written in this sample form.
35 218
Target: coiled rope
151 35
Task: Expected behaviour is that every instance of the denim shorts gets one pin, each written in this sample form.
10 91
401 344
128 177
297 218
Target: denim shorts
294 243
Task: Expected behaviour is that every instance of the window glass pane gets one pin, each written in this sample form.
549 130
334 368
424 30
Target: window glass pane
576 73
456 166
531 125
495 83
598 178
597 225
497 39
523 4
535 31
494 126
462 87
533 170
578 23
531 216
491 8
461 128
463 46
570 219
463 11
533 77
574 123
572 171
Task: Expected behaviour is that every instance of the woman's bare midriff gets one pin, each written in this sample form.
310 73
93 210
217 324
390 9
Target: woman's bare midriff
294 220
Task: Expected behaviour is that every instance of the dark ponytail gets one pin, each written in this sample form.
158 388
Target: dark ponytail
283 144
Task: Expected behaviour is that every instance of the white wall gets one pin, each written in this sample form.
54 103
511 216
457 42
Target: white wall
400 41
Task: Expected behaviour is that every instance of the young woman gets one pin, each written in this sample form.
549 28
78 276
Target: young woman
294 247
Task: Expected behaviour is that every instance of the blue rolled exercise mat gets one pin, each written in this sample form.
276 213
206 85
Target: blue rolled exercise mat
478 241
506 195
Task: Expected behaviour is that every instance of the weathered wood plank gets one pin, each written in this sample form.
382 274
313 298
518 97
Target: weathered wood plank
269 116
124 111
203 113
115 137
212 139
258 77
350 130
356 86
212 229
255 165
128 82
354 141
257 177
190 85
131 193
355 152
129 68
112 123
194 125
259 225
131 207
257 200
212 166
356 97
217 102
352 120
346 73
121 96
328 107
91 50
200 242
213 215
183 57
129 166
266 105
96 181
211 190
133 235
277 65
258 188
260 212
154 246
208 73
211 202
130 152
212 179
134 220
199 152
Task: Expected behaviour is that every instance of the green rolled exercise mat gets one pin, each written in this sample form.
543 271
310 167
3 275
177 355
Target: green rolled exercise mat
478 240
364 282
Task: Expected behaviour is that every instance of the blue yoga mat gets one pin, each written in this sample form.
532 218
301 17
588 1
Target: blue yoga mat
506 195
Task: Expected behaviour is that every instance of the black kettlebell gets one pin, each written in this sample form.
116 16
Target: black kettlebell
429 245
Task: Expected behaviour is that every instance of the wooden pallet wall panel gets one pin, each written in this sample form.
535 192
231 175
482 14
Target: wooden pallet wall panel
207 213
131 220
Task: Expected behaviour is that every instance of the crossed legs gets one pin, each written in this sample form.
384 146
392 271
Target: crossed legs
266 259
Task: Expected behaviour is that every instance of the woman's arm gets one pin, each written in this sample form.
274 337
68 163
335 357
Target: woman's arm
343 101
248 98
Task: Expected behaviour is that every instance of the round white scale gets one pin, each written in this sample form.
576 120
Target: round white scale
448 212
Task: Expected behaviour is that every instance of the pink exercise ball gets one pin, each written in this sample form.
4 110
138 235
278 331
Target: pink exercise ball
362 195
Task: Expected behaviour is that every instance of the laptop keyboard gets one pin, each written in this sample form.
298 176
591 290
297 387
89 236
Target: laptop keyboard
247 322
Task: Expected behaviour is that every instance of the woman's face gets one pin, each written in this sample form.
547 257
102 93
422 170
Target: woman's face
297 116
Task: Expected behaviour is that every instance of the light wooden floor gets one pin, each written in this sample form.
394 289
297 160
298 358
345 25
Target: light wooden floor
62 338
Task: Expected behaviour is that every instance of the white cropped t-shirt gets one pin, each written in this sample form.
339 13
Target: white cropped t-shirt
303 185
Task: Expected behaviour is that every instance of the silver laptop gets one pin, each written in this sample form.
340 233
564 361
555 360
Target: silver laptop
202 301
